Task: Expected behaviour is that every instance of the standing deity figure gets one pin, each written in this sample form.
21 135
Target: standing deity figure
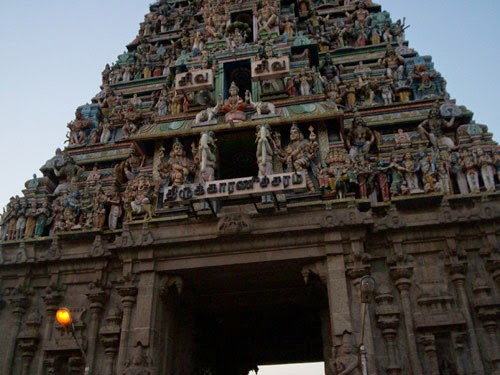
427 167
42 216
469 163
298 155
265 150
361 15
393 63
433 128
485 163
399 31
496 160
360 138
115 211
411 168
457 169
265 154
346 361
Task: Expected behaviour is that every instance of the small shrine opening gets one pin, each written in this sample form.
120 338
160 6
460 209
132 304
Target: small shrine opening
243 21
240 73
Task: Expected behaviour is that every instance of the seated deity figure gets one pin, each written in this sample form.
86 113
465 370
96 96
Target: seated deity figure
433 128
178 169
234 106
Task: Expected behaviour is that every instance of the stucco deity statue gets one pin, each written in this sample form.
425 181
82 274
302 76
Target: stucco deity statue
469 163
205 156
178 169
411 167
298 155
485 163
433 128
360 137
267 16
393 63
234 105
361 15
78 128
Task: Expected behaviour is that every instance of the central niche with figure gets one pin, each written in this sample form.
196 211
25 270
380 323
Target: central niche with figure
240 73
241 27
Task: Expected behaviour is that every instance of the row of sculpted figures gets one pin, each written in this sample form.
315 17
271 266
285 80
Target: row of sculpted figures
76 199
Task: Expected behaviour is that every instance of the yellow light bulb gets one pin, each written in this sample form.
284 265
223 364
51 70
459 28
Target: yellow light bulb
63 317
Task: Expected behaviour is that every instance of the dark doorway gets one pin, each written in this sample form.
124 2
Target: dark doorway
240 73
237 155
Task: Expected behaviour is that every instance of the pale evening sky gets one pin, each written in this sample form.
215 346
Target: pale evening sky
54 52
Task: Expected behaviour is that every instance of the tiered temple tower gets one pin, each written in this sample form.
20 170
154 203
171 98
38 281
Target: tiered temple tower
247 170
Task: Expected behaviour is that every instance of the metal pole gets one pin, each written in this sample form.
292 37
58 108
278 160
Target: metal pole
362 350
87 368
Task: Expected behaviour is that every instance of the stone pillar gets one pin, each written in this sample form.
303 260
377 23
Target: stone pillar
110 339
388 321
52 298
401 271
457 271
336 282
19 302
96 297
431 360
128 292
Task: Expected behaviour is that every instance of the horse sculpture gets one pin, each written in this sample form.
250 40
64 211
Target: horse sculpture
262 108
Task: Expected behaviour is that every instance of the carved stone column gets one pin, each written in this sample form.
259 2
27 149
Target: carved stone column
388 321
488 312
18 301
459 346
52 298
96 297
457 270
401 271
110 339
128 292
429 343
28 340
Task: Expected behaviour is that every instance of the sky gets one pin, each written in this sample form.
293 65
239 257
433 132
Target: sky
55 50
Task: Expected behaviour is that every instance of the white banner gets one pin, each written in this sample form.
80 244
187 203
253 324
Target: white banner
237 187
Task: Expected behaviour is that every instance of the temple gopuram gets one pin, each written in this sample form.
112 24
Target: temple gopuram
259 182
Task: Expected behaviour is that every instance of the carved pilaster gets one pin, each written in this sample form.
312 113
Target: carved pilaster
488 312
490 251
19 301
96 296
388 321
357 267
456 265
52 298
28 340
401 271
110 339
459 339
127 289
429 343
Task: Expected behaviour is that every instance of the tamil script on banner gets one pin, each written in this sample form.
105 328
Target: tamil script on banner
238 187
